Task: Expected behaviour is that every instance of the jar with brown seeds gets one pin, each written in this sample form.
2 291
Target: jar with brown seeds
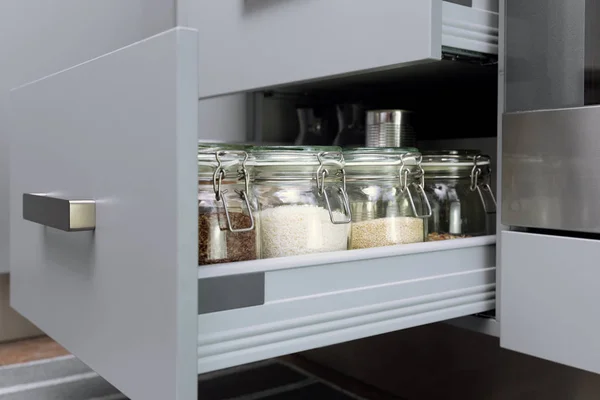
226 226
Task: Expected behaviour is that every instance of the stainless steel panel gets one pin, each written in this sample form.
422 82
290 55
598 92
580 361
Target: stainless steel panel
552 54
63 214
551 169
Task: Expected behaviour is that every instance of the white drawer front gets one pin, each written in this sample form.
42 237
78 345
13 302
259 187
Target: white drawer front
121 130
549 295
318 300
248 44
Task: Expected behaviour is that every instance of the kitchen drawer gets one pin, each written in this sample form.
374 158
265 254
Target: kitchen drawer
128 297
120 129
251 44
550 298
323 299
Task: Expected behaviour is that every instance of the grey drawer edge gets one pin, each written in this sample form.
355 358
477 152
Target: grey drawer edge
230 292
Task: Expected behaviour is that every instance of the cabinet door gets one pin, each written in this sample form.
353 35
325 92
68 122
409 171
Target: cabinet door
248 44
549 181
25 57
550 298
119 130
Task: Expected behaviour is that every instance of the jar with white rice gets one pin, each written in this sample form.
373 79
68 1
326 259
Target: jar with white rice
388 203
300 200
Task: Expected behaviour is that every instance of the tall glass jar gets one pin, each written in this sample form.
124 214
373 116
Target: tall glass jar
457 183
226 227
385 188
300 197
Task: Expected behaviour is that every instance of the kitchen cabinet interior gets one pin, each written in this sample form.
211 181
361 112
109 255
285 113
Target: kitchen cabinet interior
126 127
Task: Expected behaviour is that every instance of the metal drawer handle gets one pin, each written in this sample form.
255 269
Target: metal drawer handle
66 215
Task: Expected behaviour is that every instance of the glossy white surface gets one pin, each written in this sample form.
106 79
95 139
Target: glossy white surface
122 130
550 298
257 43
40 37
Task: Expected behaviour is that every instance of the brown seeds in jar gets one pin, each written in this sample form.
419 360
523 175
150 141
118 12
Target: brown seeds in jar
216 244
435 236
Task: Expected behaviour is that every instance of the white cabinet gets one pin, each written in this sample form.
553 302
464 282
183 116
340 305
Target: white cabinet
40 37
250 44
549 298
123 132
548 269
129 298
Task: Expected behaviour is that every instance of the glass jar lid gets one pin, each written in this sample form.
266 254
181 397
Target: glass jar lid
294 162
360 156
230 158
380 162
265 156
455 163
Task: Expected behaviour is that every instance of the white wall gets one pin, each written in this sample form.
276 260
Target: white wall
40 37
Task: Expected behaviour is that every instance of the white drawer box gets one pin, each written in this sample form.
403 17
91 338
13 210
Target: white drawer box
128 298
251 44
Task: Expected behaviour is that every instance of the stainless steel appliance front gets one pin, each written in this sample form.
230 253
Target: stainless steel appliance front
551 169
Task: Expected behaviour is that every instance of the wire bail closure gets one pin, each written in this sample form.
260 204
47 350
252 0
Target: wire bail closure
218 177
419 187
484 186
322 174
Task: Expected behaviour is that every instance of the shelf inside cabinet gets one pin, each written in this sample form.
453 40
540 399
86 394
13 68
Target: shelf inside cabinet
321 299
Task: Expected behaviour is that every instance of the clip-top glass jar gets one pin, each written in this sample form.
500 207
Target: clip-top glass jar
388 202
226 230
457 183
300 197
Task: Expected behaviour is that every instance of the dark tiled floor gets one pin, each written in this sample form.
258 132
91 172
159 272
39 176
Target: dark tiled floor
270 380
278 379
253 380
313 391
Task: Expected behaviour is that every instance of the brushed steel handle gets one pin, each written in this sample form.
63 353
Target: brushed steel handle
64 214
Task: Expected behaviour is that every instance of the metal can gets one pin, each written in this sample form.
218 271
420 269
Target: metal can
390 128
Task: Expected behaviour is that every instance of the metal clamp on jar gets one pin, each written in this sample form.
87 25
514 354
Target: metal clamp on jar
457 183
385 187
225 220
300 195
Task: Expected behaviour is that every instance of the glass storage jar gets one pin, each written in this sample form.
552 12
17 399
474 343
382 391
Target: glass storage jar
226 228
457 183
387 199
300 197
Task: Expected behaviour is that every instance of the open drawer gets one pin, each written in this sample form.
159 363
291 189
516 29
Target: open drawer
128 297
549 299
252 44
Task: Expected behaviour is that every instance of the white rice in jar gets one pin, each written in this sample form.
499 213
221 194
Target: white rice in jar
300 229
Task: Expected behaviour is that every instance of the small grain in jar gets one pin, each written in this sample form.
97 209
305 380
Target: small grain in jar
386 196
226 227
301 200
